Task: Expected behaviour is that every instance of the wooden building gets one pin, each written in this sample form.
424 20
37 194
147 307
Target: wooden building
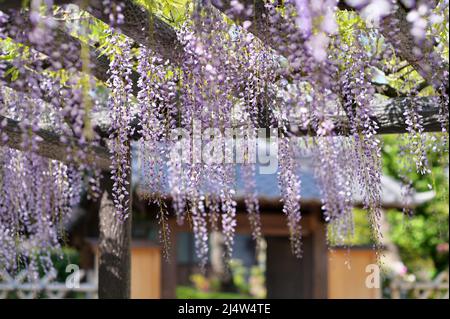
320 273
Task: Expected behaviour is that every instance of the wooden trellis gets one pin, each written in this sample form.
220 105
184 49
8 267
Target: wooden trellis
152 32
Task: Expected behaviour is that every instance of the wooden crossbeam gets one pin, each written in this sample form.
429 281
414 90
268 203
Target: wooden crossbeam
99 64
389 114
50 145
45 95
143 27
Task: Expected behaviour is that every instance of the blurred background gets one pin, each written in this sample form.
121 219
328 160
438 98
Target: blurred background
411 262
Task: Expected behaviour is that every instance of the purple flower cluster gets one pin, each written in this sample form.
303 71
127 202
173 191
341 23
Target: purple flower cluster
36 203
252 201
290 193
334 172
157 116
38 194
119 103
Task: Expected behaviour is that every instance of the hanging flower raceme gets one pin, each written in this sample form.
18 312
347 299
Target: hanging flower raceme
228 209
366 145
38 194
157 115
290 184
251 201
36 203
333 170
120 115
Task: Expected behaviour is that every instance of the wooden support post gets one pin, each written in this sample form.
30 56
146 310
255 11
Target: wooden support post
114 277
290 277
287 276
319 258
169 267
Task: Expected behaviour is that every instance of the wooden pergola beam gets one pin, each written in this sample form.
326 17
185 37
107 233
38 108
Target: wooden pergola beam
99 64
50 145
388 113
389 116
143 27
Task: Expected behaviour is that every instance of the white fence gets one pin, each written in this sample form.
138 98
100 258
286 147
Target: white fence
436 289
19 286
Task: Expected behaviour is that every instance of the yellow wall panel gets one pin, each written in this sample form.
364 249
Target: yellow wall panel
347 274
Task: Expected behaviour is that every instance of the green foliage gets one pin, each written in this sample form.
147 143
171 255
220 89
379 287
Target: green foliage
347 22
440 30
184 292
247 282
60 259
174 12
240 274
10 51
362 233
67 256
418 236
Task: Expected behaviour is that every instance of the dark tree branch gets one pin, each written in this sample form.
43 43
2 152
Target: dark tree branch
426 63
